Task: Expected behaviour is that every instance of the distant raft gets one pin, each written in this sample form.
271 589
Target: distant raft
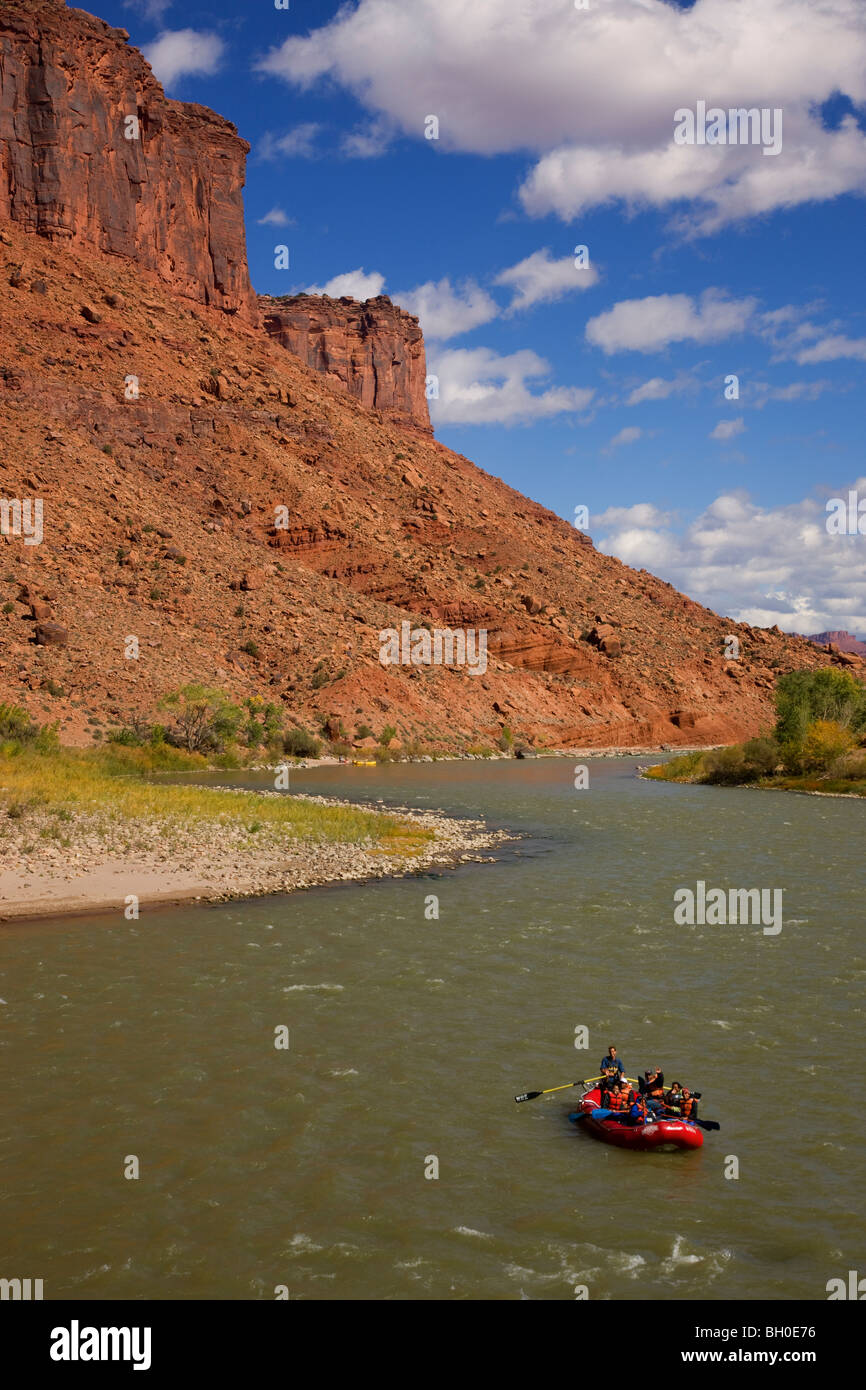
666 1134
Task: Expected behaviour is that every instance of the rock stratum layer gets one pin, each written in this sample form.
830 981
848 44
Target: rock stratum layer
374 349
71 91
257 518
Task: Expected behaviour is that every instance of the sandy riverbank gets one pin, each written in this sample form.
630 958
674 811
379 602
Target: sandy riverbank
102 866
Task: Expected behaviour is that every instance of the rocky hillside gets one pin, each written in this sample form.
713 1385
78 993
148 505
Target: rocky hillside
240 509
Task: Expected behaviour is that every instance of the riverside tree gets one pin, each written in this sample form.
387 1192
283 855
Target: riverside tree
827 697
205 719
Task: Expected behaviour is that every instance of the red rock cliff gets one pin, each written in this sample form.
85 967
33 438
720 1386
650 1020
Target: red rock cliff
170 199
375 349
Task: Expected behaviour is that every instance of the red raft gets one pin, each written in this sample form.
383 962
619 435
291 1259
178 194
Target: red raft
658 1134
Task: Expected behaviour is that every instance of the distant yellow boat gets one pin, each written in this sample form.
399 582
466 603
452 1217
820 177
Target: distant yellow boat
360 762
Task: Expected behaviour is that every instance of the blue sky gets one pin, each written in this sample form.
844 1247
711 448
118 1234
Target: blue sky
601 386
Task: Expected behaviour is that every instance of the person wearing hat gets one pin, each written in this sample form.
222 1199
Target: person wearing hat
627 1094
652 1088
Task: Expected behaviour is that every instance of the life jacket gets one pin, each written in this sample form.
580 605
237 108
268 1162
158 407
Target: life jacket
638 1112
687 1105
614 1101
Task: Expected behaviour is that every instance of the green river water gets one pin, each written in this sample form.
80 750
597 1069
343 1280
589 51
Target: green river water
411 1036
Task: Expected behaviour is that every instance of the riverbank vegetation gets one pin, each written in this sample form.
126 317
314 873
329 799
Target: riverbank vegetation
207 725
112 785
818 742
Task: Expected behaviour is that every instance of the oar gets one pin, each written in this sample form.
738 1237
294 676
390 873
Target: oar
693 1120
588 1081
530 1095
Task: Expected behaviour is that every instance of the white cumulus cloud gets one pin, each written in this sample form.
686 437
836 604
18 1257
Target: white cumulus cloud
276 217
547 79
479 387
358 284
659 388
184 53
629 435
297 143
367 141
728 429
756 564
647 325
831 348
445 312
539 279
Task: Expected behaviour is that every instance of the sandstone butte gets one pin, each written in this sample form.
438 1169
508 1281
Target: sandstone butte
163 413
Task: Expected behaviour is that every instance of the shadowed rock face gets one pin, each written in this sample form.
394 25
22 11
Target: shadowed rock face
169 199
375 349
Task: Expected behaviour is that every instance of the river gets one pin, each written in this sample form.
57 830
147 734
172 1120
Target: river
309 1168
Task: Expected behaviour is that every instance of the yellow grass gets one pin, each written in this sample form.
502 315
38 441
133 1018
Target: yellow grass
89 782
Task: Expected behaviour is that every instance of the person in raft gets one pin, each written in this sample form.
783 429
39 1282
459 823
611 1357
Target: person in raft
611 1060
618 1098
652 1088
638 1113
680 1100
610 1091
627 1095
689 1104
609 1082
674 1098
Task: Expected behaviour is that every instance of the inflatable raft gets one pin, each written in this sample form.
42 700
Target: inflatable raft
658 1134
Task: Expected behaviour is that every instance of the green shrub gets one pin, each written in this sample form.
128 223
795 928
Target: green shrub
298 743
724 766
16 724
205 719
761 757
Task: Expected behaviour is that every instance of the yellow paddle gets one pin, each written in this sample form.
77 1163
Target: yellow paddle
530 1095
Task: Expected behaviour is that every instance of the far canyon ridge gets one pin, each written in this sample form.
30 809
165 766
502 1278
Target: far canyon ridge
124 261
